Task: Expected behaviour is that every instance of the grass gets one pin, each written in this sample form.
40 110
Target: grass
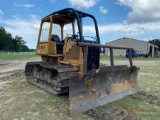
13 57
102 57
150 79
21 100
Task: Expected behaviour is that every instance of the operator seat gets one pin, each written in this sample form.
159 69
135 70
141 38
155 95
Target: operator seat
59 44
55 38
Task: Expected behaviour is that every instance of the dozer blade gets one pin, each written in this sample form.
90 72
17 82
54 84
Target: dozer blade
106 85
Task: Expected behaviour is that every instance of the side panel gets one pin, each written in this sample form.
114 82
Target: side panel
73 54
42 48
52 47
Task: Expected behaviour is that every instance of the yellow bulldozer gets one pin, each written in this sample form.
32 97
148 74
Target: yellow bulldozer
70 63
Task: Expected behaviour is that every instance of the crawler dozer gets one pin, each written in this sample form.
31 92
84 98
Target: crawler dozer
70 63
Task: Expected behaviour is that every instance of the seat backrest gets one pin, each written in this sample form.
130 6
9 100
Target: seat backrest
55 38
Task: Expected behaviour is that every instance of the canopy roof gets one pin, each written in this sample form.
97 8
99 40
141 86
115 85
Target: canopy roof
67 15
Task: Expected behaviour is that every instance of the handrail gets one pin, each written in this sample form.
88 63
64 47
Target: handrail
101 46
85 50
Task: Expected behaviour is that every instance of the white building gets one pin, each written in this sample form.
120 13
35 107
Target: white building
138 45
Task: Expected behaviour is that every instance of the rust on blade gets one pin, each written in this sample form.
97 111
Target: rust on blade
107 85
88 82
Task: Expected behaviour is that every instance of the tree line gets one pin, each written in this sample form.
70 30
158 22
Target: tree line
9 43
155 42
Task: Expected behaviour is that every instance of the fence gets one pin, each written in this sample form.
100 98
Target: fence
17 53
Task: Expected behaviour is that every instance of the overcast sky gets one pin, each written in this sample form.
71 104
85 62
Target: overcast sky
138 19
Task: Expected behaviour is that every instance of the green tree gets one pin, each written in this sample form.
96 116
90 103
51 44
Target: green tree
21 44
8 43
155 42
5 39
2 38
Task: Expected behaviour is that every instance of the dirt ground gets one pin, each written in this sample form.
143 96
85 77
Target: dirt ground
7 67
21 101
15 64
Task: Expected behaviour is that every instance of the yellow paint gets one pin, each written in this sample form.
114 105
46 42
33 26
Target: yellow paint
42 48
48 50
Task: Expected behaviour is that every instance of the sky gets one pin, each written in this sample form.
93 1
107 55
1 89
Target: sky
138 19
